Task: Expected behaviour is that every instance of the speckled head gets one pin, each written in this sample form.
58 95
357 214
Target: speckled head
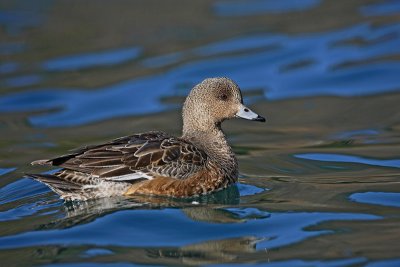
211 102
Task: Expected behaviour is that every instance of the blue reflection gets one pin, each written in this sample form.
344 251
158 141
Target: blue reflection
97 251
25 80
254 7
394 163
12 192
350 134
378 198
249 213
384 263
14 21
249 190
277 230
304 263
257 61
161 61
8 67
388 7
6 170
28 209
90 60
133 97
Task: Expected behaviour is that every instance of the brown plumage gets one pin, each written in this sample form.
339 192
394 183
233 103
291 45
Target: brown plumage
199 162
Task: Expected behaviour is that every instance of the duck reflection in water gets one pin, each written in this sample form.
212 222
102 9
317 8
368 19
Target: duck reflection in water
209 208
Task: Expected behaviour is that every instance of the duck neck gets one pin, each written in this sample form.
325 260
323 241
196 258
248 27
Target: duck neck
212 141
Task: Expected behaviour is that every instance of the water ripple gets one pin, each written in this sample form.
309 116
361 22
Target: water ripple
305 263
23 80
380 9
394 163
8 67
255 7
90 60
378 198
6 170
385 263
264 68
277 229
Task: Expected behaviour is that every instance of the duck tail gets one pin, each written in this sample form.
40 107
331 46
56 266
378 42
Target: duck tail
71 185
62 187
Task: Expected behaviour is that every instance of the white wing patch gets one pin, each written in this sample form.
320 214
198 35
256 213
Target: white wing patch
131 176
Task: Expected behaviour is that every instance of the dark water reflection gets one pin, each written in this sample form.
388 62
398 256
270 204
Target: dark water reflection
320 181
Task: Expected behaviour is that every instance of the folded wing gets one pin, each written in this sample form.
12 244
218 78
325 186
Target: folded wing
140 156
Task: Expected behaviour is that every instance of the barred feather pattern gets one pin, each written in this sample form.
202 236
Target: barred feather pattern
113 167
148 154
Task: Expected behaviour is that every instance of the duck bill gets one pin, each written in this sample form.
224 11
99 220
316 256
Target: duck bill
246 113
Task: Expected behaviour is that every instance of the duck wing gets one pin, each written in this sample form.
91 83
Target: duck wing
139 156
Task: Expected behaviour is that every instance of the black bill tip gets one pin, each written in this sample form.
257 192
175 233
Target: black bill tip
259 118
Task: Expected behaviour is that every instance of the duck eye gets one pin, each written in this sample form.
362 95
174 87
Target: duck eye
223 97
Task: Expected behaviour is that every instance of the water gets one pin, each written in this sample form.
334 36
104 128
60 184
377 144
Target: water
319 182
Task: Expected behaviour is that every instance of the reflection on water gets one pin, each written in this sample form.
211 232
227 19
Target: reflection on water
301 263
248 190
21 81
319 183
387 7
357 133
377 198
8 67
276 229
394 163
387 263
6 170
331 59
78 62
15 21
253 7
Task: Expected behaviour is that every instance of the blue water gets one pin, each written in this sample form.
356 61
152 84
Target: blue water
385 263
355 133
302 263
8 67
15 21
6 170
258 69
177 229
298 203
394 163
254 7
377 198
21 81
85 61
388 7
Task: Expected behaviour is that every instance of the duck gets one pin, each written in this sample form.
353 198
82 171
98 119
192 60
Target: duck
156 163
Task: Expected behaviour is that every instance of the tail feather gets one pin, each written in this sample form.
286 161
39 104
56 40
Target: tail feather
55 181
80 188
43 162
65 189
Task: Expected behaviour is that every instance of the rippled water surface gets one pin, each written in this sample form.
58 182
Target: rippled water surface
319 182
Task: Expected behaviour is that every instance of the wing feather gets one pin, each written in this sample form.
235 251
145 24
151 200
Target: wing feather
135 157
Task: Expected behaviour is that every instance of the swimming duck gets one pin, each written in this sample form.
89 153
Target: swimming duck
156 163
